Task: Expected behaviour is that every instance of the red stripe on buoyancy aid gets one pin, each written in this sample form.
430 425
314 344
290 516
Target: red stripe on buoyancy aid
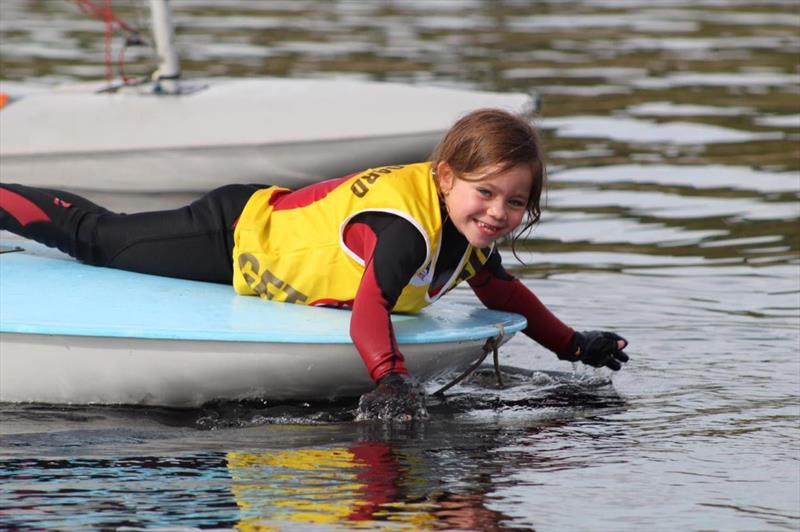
331 303
21 208
305 196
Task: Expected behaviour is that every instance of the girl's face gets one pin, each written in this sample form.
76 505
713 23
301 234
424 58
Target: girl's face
483 208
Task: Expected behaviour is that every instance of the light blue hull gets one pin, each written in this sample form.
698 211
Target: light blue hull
71 333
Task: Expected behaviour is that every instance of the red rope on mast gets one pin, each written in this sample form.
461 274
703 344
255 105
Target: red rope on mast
107 17
104 13
112 23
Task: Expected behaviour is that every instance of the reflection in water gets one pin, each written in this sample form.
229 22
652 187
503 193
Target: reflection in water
94 493
372 482
367 484
330 486
319 486
419 476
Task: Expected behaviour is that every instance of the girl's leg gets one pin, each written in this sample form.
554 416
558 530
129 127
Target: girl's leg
47 216
192 242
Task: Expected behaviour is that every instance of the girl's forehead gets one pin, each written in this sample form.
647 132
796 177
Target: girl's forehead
519 174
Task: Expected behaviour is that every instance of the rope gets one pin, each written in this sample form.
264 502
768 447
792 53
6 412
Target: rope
105 14
112 23
109 32
496 356
491 346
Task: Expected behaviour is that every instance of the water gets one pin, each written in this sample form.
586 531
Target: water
672 217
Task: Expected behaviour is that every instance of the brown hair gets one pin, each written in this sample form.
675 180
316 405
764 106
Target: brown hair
493 137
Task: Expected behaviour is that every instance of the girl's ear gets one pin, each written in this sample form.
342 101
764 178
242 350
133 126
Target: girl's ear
445 177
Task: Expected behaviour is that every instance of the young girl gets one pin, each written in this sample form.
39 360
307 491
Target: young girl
390 239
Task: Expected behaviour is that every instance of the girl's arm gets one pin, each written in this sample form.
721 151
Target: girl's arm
500 291
392 250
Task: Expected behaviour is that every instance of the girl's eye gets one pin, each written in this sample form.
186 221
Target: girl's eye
485 192
517 204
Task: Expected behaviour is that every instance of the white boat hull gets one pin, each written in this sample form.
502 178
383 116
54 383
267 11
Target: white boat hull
176 373
278 131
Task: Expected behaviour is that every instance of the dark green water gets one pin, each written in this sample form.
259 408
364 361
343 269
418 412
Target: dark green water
672 216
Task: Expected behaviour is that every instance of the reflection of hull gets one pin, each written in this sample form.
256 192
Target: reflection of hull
72 333
280 131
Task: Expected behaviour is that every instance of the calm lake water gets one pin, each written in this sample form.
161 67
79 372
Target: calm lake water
672 217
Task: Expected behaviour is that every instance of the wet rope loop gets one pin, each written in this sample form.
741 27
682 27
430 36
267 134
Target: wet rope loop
492 345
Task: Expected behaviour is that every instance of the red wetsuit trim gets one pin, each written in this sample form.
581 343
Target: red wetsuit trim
511 295
24 210
370 324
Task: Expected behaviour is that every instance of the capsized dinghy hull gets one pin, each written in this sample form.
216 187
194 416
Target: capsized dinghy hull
71 333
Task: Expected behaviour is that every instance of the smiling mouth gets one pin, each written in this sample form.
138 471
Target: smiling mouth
488 227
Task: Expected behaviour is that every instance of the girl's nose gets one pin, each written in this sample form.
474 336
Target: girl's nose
497 211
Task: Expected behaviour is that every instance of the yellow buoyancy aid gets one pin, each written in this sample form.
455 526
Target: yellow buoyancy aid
294 250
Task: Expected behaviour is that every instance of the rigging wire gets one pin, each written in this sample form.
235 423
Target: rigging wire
132 34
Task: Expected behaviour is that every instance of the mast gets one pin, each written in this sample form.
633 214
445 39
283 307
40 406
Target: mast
169 70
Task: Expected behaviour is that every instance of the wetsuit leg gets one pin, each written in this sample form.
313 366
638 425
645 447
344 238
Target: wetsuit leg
47 216
192 242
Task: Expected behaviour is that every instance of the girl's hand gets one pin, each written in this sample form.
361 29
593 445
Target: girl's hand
598 349
397 397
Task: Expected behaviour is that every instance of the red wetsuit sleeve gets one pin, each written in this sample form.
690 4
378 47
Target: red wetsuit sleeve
371 328
500 291
392 251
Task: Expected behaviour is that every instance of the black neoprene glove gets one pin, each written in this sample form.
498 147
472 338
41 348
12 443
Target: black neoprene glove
396 397
597 348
